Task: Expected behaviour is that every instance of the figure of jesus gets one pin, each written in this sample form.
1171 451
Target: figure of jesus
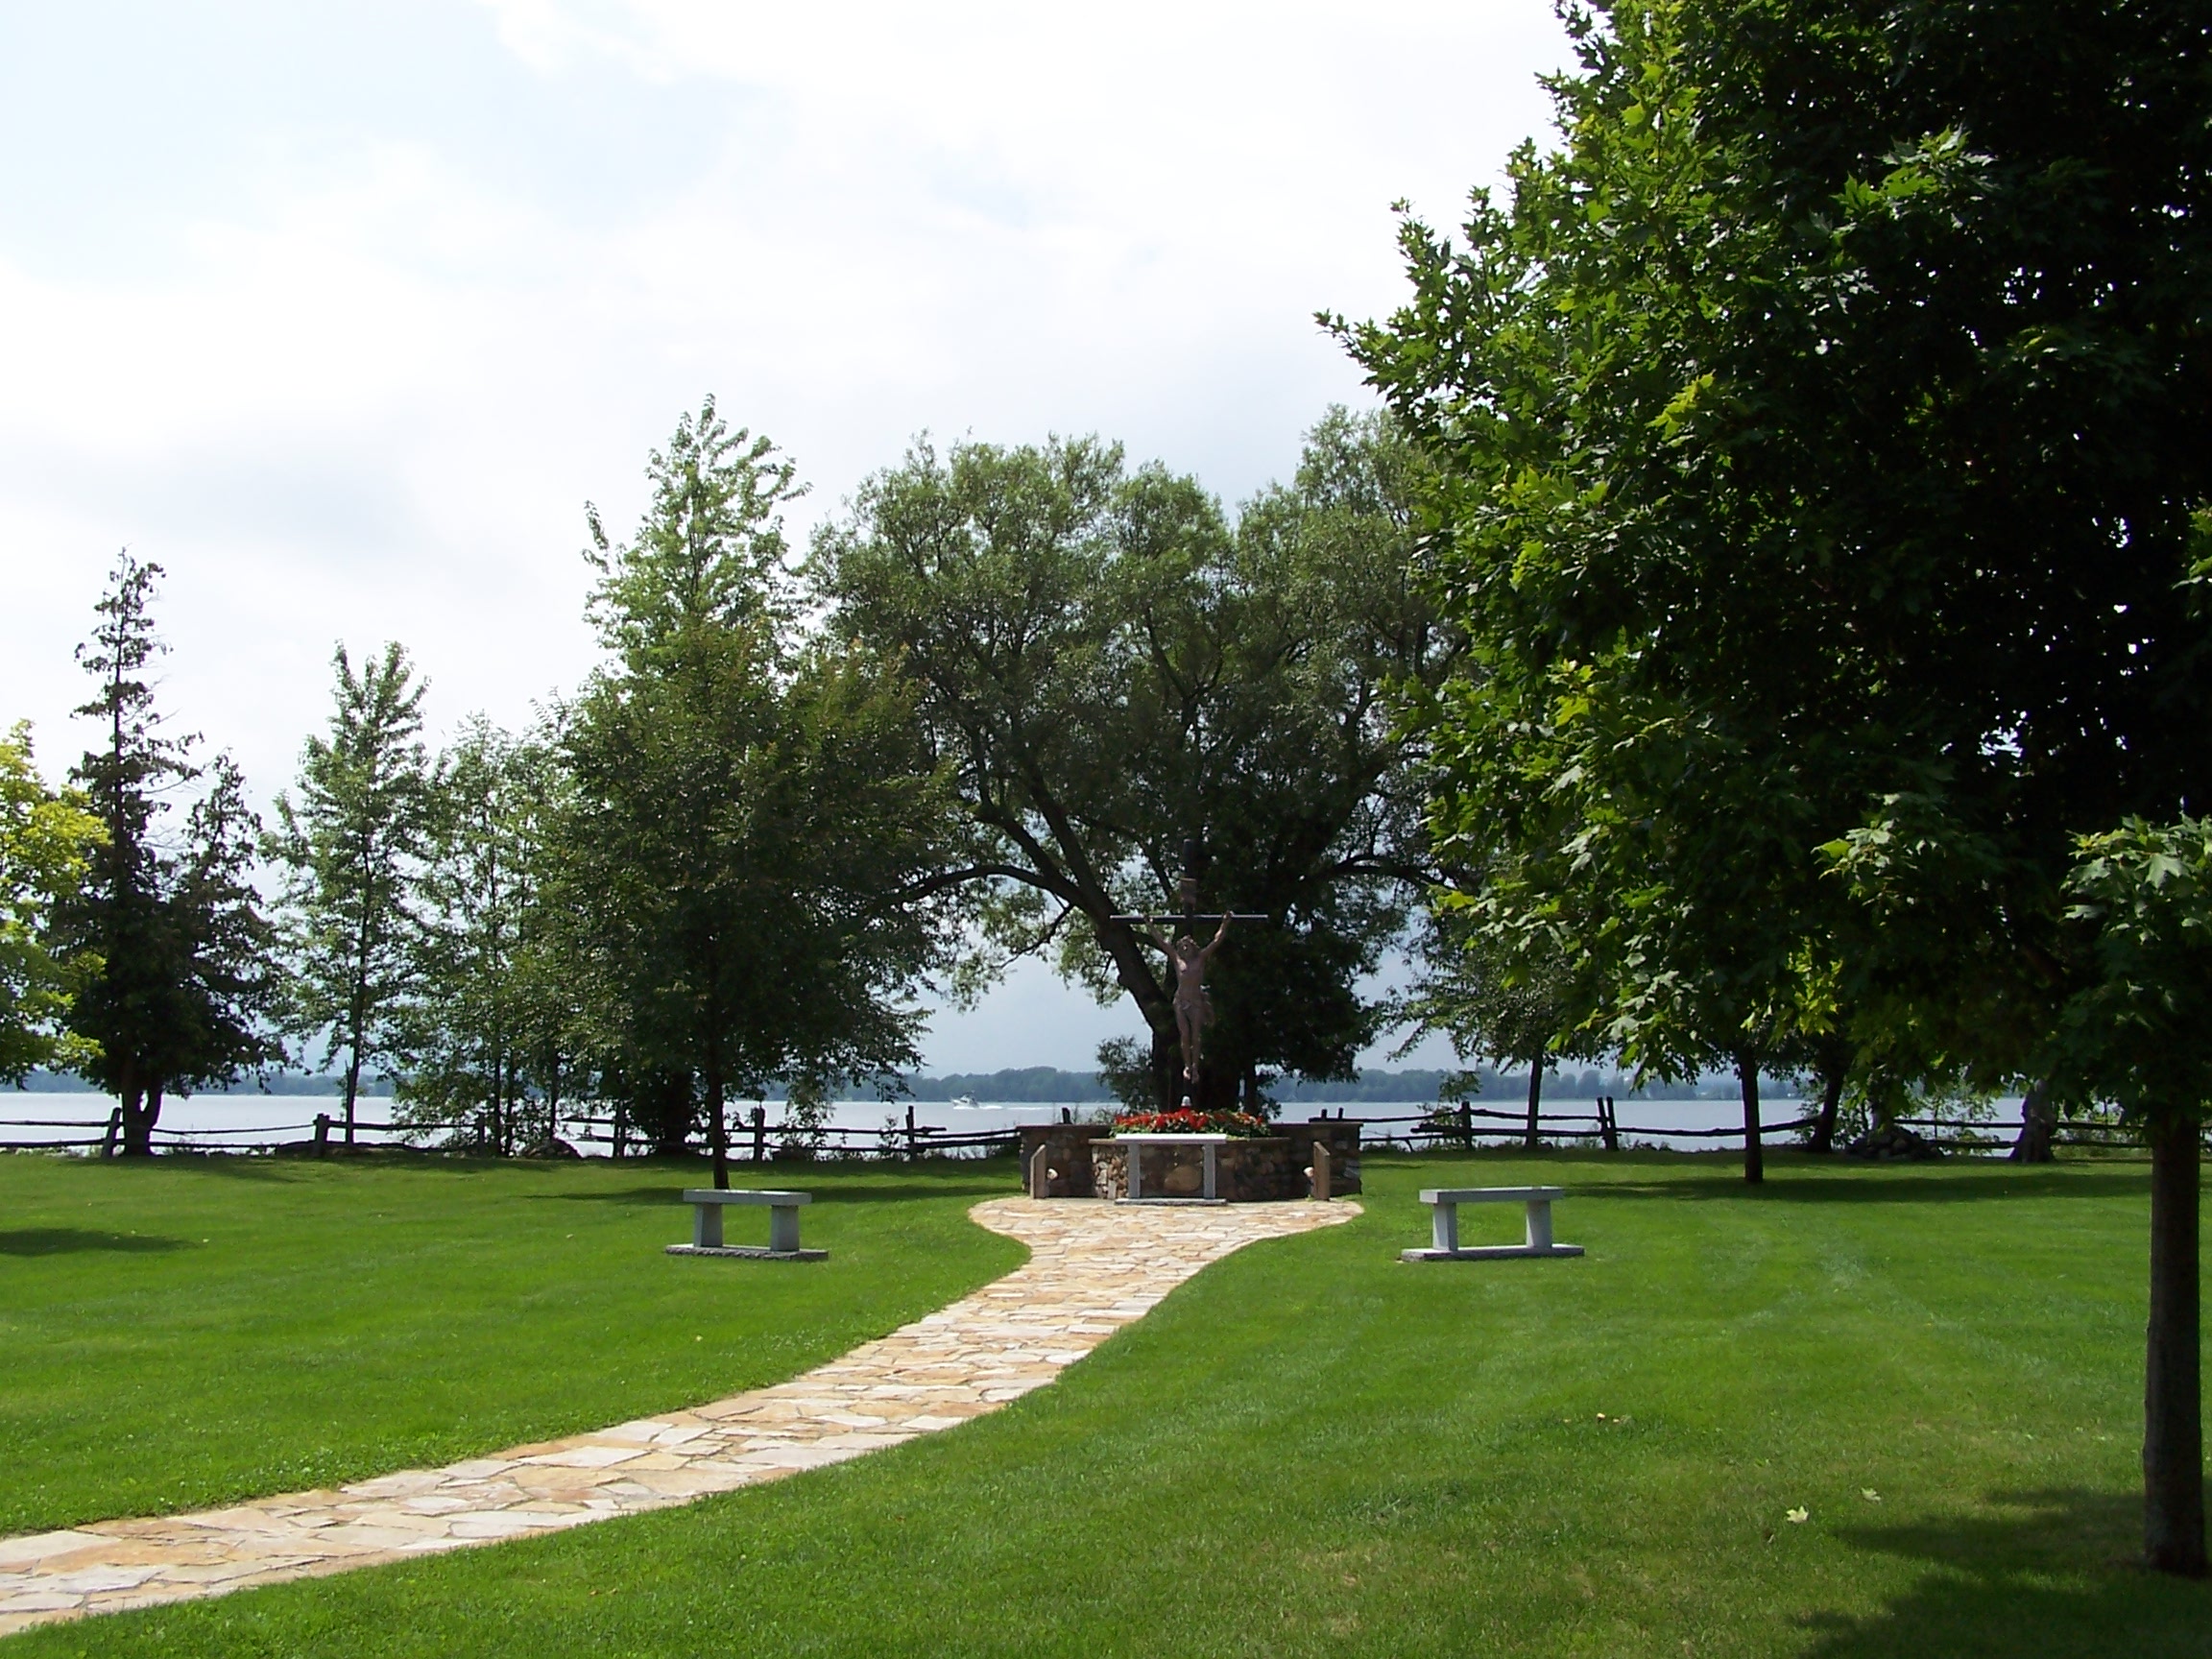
1193 1008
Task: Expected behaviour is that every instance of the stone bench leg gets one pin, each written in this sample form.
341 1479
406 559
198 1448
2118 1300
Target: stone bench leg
1444 1226
1211 1187
783 1227
706 1226
1539 1223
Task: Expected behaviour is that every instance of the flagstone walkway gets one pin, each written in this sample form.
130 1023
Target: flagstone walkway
1093 1269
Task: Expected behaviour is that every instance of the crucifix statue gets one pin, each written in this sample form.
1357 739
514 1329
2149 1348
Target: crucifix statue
1193 1008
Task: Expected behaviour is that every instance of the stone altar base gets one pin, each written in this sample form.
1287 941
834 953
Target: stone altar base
1086 1164
1262 1170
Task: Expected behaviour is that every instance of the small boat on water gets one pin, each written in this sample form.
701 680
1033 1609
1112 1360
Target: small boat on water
965 1103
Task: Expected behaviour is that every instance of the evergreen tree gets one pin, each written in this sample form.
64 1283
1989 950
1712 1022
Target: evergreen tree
352 846
183 988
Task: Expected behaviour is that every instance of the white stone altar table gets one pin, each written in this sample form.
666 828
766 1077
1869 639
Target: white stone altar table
1209 1192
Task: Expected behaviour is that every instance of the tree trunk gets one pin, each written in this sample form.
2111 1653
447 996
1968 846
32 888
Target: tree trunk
352 1089
2038 1126
1535 1100
140 1109
717 1130
1831 1098
2172 1429
1754 1154
1168 1067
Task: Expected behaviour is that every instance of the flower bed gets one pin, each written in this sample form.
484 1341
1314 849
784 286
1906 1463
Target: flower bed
1244 1125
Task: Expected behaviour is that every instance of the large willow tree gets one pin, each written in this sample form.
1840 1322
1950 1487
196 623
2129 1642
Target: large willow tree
1111 670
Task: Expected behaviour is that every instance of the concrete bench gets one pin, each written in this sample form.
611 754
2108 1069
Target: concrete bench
706 1206
1443 1218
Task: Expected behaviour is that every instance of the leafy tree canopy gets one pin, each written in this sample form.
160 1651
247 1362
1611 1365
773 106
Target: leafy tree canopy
756 823
46 839
1110 669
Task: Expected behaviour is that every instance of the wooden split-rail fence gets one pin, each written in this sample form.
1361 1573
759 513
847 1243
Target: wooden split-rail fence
754 1139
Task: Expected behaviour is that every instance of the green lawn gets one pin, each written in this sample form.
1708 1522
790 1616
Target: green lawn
195 1330
1315 1448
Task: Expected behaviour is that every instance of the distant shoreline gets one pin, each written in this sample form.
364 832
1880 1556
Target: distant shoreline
1046 1085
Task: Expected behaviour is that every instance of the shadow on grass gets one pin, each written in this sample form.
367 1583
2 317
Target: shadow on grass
229 1165
1876 1186
792 1175
2056 1576
81 1241
969 1187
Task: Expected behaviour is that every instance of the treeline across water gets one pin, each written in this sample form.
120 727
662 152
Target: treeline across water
1050 1085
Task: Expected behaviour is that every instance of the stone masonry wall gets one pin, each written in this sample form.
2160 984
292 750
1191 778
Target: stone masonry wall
1088 1165
1068 1154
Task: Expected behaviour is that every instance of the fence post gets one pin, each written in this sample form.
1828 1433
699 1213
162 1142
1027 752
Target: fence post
114 1128
760 1134
322 1134
619 1131
1607 1123
911 1150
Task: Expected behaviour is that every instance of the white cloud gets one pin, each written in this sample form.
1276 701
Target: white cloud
346 346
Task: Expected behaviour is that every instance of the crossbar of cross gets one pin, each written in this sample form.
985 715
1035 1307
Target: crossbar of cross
1196 916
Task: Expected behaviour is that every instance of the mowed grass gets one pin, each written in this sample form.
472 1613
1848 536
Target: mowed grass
194 1330
1314 1449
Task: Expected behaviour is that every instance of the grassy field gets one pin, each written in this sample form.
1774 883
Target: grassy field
1313 1448
194 1330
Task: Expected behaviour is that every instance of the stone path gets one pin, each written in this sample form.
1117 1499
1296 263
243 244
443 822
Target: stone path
1093 1267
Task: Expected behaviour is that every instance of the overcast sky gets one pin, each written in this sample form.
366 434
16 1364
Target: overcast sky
340 312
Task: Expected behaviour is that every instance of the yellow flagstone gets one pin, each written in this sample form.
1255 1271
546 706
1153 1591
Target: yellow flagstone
1093 1269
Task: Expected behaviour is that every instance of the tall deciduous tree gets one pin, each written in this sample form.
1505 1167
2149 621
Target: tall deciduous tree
1822 431
183 990
758 824
46 841
1112 671
1495 1005
2138 1033
352 844
488 1028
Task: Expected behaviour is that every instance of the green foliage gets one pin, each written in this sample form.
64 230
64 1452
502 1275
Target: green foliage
2138 1031
1496 1005
1111 670
184 983
351 849
756 823
1819 471
46 839
498 1017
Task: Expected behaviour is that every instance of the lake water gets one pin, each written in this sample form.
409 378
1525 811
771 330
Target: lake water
242 1120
